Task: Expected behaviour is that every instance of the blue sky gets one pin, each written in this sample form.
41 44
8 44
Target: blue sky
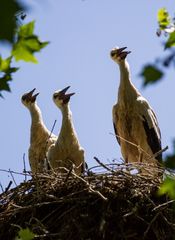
81 35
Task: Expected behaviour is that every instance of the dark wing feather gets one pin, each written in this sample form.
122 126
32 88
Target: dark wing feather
153 139
116 134
115 119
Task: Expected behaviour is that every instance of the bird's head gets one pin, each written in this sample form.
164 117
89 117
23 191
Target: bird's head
29 98
60 97
118 54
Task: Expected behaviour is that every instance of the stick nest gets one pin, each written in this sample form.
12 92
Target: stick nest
107 203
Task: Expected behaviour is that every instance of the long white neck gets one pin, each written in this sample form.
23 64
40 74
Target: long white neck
37 126
67 129
126 88
36 115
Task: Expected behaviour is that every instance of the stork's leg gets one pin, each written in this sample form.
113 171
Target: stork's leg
127 168
140 160
126 160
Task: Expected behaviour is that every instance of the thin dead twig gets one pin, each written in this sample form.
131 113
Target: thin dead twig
24 170
163 205
13 177
88 185
8 187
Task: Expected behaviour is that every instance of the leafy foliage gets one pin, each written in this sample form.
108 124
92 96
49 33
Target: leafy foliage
168 187
25 234
8 10
163 18
27 44
167 25
171 40
23 40
151 74
6 71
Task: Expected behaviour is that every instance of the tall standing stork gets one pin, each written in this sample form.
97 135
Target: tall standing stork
134 120
40 136
66 152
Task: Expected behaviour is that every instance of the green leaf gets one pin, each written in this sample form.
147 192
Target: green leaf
34 44
171 41
6 71
27 29
27 44
25 234
163 18
8 9
5 63
4 86
151 74
168 187
22 52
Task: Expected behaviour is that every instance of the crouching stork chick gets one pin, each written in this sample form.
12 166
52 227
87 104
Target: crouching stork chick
40 136
66 152
134 120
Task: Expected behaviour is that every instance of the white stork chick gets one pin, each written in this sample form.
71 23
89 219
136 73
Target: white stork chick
66 152
40 136
133 118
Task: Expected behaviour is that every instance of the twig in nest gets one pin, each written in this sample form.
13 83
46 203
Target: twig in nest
109 169
150 224
2 189
24 170
163 205
89 186
8 187
159 152
161 214
68 174
103 165
9 171
13 177
133 144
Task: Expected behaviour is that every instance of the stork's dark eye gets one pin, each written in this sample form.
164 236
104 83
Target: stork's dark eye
112 54
56 95
23 98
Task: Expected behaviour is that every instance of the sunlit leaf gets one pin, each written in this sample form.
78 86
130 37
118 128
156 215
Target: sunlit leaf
8 9
163 18
5 64
22 52
25 234
171 41
168 187
26 30
34 44
27 44
151 74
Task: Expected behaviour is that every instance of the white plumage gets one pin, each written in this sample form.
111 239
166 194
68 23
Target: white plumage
40 137
66 152
134 120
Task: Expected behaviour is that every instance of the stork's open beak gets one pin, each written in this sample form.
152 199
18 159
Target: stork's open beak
63 96
29 97
119 52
